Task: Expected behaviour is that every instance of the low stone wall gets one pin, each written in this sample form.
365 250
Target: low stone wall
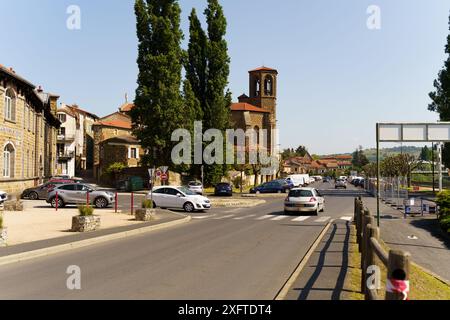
145 214
85 224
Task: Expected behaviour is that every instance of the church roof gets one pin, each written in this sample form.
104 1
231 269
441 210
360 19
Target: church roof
247 107
263 68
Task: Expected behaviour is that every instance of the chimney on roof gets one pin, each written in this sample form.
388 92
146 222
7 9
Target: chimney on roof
12 70
39 89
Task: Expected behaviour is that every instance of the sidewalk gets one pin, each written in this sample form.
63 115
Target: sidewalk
431 248
38 227
323 278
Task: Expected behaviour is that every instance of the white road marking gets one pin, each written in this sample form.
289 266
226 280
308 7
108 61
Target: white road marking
279 218
323 219
245 217
265 217
224 217
202 217
300 219
349 218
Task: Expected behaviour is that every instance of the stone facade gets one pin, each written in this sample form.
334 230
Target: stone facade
258 110
114 142
28 128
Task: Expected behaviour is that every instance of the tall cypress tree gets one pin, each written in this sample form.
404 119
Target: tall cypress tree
441 97
158 103
207 69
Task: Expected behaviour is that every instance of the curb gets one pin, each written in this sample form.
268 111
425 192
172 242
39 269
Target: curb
19 257
281 295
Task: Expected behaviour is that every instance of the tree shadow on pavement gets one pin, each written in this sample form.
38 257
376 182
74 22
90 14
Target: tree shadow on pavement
433 227
320 266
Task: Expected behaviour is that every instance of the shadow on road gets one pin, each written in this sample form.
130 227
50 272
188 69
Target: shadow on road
324 273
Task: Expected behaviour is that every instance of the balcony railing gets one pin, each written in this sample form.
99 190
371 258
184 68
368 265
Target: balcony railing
66 137
66 155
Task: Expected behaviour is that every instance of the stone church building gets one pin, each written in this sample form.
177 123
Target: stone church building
258 111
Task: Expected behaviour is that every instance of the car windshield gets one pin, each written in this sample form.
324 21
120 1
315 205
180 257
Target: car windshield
300 193
187 191
195 184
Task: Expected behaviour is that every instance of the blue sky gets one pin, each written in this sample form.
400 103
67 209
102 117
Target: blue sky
337 78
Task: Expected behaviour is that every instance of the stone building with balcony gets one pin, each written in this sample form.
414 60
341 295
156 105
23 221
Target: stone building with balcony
28 130
75 148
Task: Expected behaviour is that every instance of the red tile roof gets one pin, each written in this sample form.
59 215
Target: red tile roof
264 69
127 107
247 107
115 123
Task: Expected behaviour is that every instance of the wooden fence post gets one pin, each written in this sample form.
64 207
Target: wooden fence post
373 232
366 220
397 284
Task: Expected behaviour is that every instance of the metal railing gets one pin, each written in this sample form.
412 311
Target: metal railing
397 262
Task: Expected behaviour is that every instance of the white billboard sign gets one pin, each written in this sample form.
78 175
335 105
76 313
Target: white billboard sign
414 132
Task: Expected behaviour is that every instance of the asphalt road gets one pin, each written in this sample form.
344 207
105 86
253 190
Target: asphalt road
222 254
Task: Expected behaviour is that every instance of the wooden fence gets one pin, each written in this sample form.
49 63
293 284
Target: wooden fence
397 262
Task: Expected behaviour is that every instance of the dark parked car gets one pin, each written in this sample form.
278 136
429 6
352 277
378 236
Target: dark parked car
40 192
360 183
276 186
223 189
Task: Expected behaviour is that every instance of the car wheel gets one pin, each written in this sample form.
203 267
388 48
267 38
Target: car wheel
101 202
188 207
33 196
154 205
60 203
323 208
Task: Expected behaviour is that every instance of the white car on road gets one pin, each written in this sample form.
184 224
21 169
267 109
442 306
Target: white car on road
304 200
179 198
196 187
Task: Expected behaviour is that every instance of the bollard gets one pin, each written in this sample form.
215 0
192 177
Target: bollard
57 201
88 201
115 204
132 203
397 286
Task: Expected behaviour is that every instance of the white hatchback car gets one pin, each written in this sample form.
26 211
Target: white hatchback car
179 198
304 200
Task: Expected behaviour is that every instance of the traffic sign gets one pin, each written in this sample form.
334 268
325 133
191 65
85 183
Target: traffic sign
151 173
164 169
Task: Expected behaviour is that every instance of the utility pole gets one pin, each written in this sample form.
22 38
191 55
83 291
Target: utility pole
440 166
433 167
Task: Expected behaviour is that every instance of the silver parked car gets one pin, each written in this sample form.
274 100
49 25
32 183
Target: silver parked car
76 193
340 183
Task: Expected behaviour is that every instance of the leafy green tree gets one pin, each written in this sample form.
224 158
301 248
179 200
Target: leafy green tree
158 104
301 151
441 98
207 69
426 154
359 159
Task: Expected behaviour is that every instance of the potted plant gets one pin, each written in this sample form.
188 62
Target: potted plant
14 205
3 233
147 213
86 220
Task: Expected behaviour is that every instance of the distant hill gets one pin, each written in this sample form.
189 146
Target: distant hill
371 154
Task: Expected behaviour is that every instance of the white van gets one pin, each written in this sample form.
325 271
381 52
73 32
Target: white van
299 180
